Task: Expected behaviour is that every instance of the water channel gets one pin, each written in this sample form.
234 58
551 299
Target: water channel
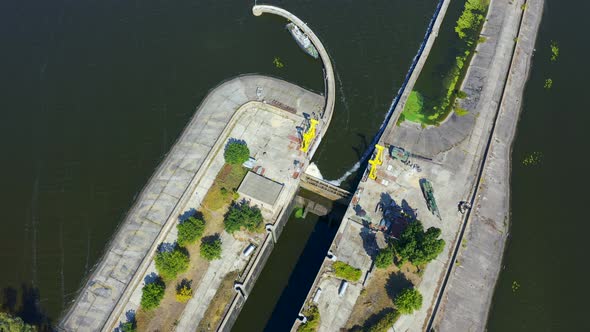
94 94
545 257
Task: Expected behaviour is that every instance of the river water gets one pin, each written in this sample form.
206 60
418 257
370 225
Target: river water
546 254
94 93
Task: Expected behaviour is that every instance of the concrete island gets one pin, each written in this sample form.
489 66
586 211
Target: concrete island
462 162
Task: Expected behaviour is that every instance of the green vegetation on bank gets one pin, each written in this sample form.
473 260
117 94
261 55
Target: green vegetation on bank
299 213
170 263
211 247
385 323
189 231
313 320
243 215
9 323
437 87
345 271
408 301
151 294
236 152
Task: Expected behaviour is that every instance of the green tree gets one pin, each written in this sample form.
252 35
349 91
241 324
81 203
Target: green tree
170 263
383 324
384 258
417 246
189 231
211 247
236 152
242 215
313 320
152 294
128 327
9 323
345 271
408 300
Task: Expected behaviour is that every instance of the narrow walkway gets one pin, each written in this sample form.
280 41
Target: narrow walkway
330 86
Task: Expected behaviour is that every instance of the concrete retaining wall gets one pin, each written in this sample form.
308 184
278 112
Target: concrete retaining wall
468 295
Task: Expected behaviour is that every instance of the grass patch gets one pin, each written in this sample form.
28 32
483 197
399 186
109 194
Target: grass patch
413 108
219 303
224 186
313 320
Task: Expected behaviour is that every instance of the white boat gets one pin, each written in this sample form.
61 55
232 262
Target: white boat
302 40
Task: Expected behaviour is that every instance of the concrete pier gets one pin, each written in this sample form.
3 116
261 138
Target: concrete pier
105 295
330 80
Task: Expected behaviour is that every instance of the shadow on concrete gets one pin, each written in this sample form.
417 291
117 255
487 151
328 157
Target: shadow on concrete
167 247
409 212
369 240
192 212
25 304
395 217
371 321
152 277
396 283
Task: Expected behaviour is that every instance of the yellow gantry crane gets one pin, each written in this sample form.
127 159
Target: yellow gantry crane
309 135
376 161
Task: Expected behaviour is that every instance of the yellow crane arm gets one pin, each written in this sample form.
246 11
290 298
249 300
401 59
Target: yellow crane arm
309 135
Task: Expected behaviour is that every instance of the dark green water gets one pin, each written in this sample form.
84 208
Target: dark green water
547 251
94 93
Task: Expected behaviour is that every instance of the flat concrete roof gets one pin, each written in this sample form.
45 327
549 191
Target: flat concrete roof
260 188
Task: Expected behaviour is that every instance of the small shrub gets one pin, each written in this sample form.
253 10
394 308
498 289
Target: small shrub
345 271
481 40
211 248
461 111
170 263
242 215
189 231
385 323
236 152
299 213
152 294
408 300
461 94
313 320
184 292
384 258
